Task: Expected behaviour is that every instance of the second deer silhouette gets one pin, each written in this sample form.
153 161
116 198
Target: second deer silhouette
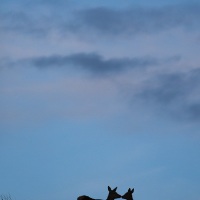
128 195
111 195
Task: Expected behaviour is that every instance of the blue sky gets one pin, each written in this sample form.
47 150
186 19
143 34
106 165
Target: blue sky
98 93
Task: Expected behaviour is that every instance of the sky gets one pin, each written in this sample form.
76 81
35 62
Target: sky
98 93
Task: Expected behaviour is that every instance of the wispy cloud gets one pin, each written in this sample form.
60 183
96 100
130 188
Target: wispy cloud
93 62
137 20
176 94
104 20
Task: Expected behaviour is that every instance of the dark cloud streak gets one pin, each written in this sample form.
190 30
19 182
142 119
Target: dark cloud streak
93 62
138 20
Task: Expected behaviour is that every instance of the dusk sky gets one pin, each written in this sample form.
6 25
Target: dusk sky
96 93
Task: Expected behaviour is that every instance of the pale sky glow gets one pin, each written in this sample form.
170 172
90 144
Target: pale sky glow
98 93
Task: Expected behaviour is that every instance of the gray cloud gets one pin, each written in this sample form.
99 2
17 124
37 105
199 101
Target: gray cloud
166 89
102 20
176 94
93 62
138 19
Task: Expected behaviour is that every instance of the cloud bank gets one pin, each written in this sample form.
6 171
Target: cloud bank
105 21
173 93
139 20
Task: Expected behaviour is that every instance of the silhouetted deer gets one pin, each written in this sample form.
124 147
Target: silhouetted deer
128 195
111 195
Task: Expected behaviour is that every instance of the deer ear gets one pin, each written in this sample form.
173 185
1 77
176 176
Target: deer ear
129 189
115 189
132 190
109 189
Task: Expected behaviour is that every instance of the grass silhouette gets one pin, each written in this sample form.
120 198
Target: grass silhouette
5 197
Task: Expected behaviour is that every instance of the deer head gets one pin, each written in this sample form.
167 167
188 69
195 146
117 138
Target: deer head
113 194
128 195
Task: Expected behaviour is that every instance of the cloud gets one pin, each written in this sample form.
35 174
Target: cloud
101 20
176 94
166 89
136 20
93 62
